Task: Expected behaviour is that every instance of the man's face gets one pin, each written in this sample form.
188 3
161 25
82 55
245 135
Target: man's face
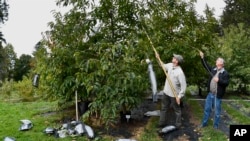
219 63
175 61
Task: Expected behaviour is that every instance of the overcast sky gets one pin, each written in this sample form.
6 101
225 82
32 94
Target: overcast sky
29 18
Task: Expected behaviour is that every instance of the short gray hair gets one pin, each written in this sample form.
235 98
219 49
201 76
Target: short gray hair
222 60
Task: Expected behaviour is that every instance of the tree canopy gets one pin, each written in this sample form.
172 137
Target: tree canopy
235 12
99 50
235 46
3 16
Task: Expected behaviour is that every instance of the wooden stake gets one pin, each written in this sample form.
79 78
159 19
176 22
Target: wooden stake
76 106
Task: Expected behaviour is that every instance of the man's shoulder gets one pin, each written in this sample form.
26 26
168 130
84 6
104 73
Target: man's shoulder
168 65
226 72
179 69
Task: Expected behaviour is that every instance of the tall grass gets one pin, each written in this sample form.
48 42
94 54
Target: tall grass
17 91
236 114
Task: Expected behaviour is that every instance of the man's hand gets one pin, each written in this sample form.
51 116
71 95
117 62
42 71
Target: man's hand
201 54
216 79
178 100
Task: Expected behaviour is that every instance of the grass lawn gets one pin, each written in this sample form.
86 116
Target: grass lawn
12 113
43 115
208 133
238 116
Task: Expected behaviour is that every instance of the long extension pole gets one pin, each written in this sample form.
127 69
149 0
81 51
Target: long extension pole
162 65
215 104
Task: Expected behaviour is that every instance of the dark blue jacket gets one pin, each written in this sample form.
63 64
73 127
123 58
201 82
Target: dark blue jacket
223 78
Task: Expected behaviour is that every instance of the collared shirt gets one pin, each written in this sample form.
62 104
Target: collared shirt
178 80
213 84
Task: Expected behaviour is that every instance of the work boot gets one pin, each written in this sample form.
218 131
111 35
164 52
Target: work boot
178 126
216 127
201 126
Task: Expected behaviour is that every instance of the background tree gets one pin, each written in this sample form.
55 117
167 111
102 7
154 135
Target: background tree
3 64
235 43
22 67
235 46
41 56
3 16
182 31
236 11
11 60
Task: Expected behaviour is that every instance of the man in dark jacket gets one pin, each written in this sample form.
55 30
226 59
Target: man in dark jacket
218 81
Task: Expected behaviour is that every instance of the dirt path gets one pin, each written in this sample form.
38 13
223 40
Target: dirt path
188 132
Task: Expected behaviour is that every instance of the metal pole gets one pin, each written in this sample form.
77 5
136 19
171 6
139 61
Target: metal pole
215 97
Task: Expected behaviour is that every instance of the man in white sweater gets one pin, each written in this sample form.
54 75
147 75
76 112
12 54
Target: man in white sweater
178 80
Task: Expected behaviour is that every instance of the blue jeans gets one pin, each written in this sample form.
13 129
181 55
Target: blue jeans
212 101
